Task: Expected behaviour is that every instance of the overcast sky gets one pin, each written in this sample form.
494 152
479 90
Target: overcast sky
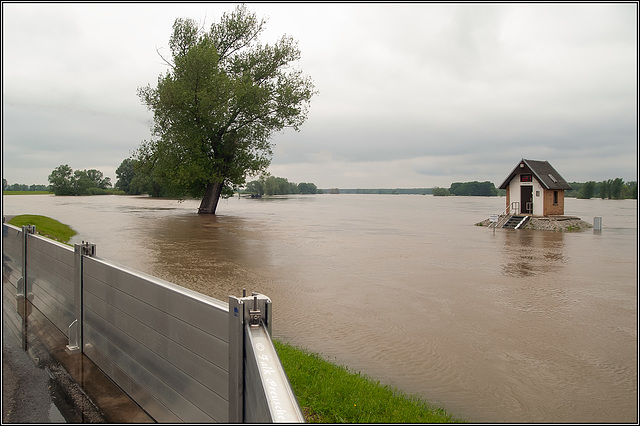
410 95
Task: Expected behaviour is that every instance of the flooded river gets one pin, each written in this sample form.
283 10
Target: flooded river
516 326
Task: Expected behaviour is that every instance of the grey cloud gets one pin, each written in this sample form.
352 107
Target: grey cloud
44 138
421 90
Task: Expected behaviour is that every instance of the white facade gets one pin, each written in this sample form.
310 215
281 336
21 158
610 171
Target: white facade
515 194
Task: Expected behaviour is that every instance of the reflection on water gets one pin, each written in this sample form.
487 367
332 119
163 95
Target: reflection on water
516 326
534 262
215 255
529 253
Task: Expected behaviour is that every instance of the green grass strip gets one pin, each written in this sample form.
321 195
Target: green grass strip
45 226
328 393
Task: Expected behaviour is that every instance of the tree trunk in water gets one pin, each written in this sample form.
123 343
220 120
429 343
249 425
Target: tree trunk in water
211 197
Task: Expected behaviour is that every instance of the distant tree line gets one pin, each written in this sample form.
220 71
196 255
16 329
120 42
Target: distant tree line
440 192
475 188
613 189
64 181
393 191
271 185
22 187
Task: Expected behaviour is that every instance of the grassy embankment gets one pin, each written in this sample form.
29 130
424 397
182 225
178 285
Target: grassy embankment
327 393
45 226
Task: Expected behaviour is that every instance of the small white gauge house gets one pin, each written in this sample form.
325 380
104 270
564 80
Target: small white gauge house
535 188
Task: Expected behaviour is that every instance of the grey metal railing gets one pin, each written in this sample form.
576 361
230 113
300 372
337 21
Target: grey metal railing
505 215
181 355
528 207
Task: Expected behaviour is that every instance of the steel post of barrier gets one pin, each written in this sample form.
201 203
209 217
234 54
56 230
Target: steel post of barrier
75 328
250 322
22 286
236 352
242 310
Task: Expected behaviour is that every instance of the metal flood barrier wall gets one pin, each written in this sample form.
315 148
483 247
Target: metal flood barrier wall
180 355
12 285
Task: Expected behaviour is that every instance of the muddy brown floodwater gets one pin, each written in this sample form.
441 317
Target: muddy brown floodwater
516 326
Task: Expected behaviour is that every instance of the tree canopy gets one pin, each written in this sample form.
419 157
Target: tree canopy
613 189
474 188
64 181
273 185
216 108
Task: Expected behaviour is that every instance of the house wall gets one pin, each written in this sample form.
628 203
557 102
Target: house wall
513 194
549 207
508 197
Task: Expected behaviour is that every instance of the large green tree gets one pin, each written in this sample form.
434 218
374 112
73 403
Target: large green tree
62 180
125 173
219 103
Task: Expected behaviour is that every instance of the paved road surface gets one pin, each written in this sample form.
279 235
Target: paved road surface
25 388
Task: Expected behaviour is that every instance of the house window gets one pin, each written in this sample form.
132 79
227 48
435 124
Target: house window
555 198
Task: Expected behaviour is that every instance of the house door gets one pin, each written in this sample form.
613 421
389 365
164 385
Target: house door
526 199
